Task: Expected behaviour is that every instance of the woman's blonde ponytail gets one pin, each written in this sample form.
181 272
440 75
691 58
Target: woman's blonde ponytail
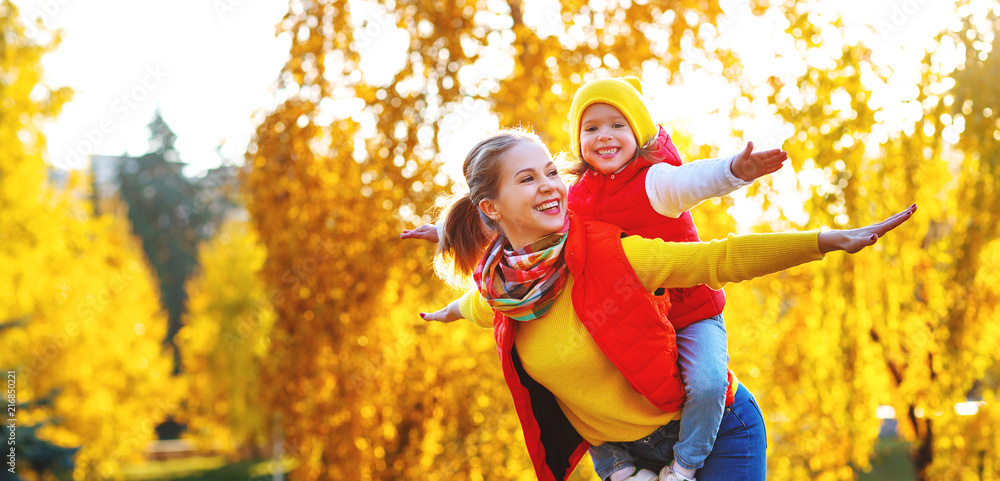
464 239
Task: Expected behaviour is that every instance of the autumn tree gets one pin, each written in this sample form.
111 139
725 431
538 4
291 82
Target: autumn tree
81 326
956 290
351 156
225 342
911 324
557 51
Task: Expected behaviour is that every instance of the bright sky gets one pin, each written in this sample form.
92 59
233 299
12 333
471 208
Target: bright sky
207 64
210 64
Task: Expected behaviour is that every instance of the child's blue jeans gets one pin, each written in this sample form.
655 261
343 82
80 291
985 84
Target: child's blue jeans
739 453
703 356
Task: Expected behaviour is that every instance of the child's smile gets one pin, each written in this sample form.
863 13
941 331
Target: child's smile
607 142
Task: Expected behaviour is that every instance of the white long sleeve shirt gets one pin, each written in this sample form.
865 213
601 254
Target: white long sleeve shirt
674 190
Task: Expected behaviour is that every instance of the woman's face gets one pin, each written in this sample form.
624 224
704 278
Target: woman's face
531 200
607 142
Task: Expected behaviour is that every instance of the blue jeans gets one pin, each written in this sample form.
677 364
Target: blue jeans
703 356
739 453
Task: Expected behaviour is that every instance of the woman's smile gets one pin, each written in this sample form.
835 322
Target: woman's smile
550 207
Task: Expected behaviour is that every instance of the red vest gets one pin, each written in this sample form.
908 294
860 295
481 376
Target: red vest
625 321
621 199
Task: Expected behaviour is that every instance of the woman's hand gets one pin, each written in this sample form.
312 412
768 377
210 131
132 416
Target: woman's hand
427 232
853 240
448 314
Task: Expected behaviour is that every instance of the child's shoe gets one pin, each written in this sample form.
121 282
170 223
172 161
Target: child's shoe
668 474
630 474
642 475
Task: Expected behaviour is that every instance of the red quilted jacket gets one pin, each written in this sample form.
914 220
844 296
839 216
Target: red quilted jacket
621 199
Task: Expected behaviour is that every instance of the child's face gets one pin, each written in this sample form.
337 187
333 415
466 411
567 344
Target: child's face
607 142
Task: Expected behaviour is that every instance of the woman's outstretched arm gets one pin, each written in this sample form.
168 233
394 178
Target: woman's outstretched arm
427 232
450 313
741 258
670 264
471 306
853 240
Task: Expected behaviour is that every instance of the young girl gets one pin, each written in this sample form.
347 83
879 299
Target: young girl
630 175
584 346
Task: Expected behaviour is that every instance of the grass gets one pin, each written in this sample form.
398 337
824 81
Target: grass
891 463
212 468
172 468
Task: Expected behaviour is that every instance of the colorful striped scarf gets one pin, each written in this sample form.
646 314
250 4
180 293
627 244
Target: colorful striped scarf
522 284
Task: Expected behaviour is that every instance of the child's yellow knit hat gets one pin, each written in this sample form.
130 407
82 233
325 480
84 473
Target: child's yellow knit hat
625 94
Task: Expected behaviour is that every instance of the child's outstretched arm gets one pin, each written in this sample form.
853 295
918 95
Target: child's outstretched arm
673 190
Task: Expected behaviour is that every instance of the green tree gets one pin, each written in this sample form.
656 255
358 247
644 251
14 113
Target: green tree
164 209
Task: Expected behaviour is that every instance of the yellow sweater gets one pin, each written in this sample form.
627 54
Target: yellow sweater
558 352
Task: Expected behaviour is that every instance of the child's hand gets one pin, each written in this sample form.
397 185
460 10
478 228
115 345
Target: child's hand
427 232
749 165
853 240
